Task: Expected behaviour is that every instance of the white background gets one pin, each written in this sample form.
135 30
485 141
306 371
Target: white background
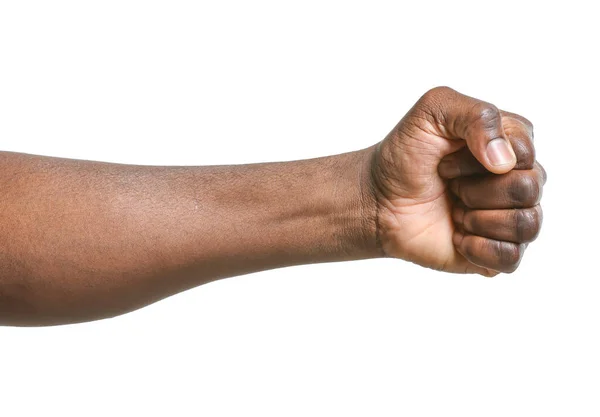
176 82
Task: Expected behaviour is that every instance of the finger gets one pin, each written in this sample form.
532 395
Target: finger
459 164
489 253
515 225
515 189
524 121
477 122
519 132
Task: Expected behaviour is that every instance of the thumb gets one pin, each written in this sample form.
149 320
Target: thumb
477 122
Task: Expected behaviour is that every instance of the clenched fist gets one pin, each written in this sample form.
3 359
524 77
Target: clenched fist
457 186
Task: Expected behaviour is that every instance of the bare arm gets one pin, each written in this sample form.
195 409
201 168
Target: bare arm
83 240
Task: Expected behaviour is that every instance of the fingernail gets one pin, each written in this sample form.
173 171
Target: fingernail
499 152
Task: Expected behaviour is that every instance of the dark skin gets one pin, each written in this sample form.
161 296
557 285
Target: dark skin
85 240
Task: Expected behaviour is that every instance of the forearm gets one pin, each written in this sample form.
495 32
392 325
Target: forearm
83 240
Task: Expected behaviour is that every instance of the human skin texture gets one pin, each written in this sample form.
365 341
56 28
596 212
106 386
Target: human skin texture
453 187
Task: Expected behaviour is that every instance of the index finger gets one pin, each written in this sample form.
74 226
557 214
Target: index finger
518 130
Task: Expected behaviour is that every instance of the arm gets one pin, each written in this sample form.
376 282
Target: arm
453 187
84 240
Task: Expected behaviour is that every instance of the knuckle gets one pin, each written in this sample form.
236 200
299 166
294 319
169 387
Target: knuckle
521 138
436 92
525 191
487 114
523 120
432 101
528 223
526 122
525 153
508 254
543 173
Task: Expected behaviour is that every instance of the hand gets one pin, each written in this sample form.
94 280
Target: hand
440 200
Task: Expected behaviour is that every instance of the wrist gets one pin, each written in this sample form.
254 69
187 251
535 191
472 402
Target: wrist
357 204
